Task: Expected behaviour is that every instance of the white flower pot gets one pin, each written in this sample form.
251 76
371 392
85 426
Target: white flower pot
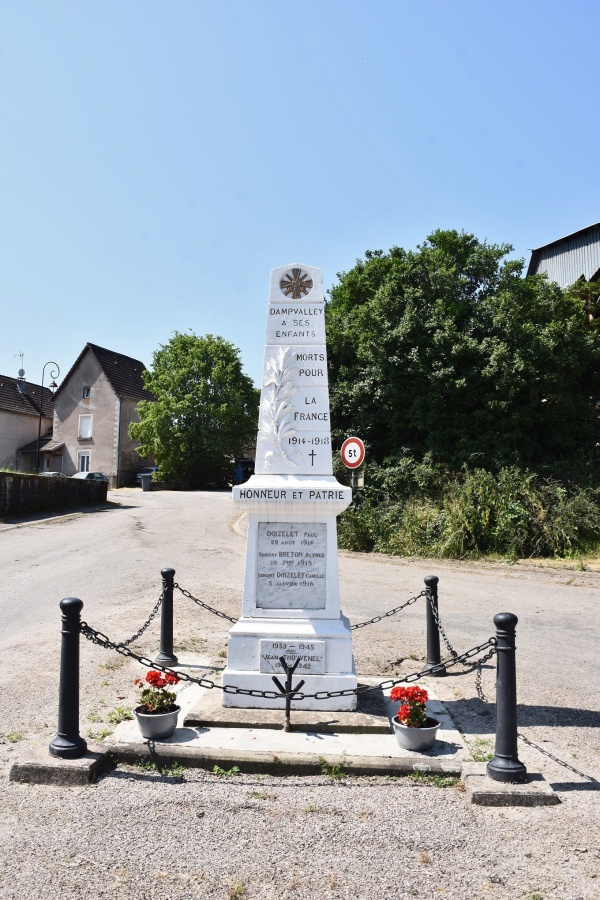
157 726
418 739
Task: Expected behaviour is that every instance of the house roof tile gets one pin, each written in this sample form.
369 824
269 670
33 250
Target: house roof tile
27 401
124 373
47 444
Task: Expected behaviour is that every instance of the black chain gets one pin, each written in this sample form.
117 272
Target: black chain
96 637
392 612
438 622
147 622
406 679
561 762
478 673
215 612
478 667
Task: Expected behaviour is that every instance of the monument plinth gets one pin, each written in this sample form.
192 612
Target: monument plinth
291 604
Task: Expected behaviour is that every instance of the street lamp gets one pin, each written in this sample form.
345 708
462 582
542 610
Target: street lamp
53 374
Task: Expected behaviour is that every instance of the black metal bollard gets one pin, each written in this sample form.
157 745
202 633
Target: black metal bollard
67 743
433 634
506 765
165 656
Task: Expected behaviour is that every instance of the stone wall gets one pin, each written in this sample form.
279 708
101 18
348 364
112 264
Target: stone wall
21 494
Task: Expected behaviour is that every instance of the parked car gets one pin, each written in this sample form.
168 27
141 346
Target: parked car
148 470
53 474
90 476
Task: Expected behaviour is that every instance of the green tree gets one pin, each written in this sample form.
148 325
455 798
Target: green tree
205 412
448 353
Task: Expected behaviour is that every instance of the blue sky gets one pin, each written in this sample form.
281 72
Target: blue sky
158 159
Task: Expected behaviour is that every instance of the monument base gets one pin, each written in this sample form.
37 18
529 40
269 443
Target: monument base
258 681
324 647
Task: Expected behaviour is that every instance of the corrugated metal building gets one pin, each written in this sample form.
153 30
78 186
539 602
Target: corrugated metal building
569 258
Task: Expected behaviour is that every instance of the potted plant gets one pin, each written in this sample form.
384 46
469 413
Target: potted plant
157 711
414 729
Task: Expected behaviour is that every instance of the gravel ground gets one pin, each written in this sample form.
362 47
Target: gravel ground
139 834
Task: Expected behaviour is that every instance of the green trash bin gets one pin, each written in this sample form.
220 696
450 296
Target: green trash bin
146 481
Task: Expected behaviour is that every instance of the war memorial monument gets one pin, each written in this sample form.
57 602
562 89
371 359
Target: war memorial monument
291 603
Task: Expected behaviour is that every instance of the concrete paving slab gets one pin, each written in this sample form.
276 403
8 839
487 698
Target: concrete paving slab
483 791
281 763
41 768
371 717
254 747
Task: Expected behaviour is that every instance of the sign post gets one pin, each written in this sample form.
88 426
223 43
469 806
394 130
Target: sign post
353 456
353 452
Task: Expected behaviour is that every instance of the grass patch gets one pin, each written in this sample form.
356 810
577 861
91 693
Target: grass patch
112 664
172 770
190 644
435 780
13 737
481 749
335 771
119 714
99 735
225 773
260 795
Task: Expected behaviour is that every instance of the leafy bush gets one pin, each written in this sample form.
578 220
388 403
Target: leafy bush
475 391
418 509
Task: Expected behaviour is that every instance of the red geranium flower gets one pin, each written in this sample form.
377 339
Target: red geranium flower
413 700
154 697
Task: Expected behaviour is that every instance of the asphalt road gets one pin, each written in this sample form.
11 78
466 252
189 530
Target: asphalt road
111 559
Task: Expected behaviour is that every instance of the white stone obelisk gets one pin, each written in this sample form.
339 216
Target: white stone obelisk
291 604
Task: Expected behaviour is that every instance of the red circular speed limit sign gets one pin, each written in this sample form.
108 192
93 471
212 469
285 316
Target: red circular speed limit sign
352 452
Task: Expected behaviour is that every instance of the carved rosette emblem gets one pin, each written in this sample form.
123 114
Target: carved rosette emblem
296 284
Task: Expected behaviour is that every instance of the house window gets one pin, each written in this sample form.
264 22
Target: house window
85 427
83 461
87 392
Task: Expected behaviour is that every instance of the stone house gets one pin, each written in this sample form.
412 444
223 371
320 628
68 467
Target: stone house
93 409
20 420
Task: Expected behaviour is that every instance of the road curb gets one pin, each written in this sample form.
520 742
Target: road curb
282 763
480 790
